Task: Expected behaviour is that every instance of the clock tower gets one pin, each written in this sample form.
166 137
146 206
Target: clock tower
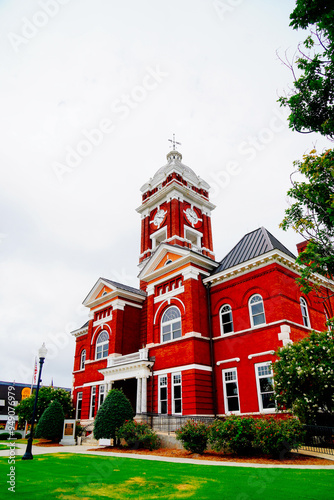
175 209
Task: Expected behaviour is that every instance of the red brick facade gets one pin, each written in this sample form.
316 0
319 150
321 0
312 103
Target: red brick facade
198 336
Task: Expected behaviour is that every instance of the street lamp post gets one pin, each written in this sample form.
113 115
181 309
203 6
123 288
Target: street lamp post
41 354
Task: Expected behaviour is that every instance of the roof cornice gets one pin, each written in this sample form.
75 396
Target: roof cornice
274 256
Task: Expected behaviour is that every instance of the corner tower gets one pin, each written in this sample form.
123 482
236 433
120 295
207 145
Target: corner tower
175 209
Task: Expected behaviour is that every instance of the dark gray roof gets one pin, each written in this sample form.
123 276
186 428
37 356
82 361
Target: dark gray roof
84 326
252 245
125 287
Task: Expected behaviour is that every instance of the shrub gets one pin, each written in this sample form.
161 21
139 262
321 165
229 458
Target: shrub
79 430
115 410
138 435
234 434
277 437
193 436
17 435
4 435
50 425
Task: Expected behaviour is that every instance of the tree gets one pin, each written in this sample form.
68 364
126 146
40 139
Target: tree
115 410
312 216
50 425
45 396
304 377
311 101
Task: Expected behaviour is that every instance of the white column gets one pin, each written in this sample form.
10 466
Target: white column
144 395
139 396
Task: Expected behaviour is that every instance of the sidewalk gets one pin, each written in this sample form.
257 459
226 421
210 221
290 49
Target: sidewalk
83 450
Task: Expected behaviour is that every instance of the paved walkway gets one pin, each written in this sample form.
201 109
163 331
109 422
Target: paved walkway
83 450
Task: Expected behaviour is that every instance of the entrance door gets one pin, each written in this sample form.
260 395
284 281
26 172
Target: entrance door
129 387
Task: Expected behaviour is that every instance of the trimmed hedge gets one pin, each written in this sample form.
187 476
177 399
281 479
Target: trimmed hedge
50 425
112 414
193 436
244 435
138 435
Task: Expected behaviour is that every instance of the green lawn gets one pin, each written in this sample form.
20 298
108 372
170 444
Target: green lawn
70 477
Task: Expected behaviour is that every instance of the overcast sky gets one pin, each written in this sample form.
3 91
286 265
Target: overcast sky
91 91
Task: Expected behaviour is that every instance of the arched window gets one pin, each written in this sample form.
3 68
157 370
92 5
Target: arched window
304 310
171 324
83 359
102 345
226 320
256 310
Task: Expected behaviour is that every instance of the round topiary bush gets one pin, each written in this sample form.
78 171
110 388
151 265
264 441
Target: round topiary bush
50 425
193 436
115 410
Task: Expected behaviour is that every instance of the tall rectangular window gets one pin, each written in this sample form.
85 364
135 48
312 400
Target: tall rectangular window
92 402
101 394
79 405
163 405
231 391
265 386
177 393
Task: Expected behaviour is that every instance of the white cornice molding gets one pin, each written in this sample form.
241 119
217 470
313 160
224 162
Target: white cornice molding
80 331
169 294
227 361
107 299
274 256
264 353
175 190
183 368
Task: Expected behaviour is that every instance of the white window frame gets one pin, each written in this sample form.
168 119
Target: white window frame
225 382
258 387
82 359
102 344
191 234
102 392
251 312
162 379
170 323
178 384
79 400
158 237
221 319
92 407
305 315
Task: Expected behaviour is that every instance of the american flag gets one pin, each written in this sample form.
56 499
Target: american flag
35 371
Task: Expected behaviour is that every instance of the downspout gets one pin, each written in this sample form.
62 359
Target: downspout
214 389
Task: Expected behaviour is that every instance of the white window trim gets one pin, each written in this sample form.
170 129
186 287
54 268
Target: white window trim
104 395
156 235
227 411
101 344
159 394
173 398
195 233
303 304
221 321
251 314
79 398
170 322
259 398
92 394
81 356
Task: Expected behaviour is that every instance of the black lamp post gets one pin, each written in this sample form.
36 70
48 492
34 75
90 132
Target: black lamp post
41 354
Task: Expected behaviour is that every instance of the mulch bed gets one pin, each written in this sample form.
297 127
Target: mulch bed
289 459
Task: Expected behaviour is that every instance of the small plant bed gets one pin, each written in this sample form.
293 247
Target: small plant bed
289 458
46 442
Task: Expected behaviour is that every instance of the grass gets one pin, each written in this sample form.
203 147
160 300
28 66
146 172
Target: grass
70 477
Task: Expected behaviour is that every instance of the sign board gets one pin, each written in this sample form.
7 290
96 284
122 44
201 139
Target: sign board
68 433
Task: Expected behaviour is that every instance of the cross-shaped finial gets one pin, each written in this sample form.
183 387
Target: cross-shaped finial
173 141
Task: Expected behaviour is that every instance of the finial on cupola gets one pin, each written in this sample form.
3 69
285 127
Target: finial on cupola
174 154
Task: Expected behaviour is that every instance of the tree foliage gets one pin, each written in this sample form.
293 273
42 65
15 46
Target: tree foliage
115 410
50 425
312 216
311 101
304 377
45 396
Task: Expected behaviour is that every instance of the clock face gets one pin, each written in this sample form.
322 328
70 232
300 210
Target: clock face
159 217
191 216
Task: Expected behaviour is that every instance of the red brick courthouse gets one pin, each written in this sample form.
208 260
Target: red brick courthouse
198 335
